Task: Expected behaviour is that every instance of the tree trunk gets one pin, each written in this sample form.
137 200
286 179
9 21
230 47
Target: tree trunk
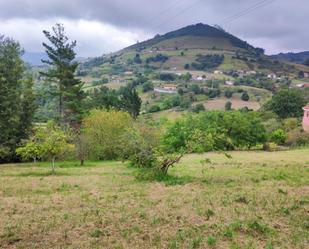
34 160
53 165
82 162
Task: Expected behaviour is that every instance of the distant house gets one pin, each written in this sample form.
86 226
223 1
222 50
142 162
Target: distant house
306 118
272 76
198 78
306 75
229 83
305 85
128 73
218 72
167 88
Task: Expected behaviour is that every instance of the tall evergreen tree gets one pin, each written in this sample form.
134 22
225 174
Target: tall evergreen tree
62 72
130 101
16 99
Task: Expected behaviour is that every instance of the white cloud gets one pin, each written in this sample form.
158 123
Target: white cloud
93 38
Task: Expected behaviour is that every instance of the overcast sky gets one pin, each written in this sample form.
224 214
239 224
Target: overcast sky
103 26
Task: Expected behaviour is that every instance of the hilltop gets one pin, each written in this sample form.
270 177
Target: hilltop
299 58
198 47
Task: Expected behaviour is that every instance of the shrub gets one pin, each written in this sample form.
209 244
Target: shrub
198 108
279 137
245 96
104 131
215 131
228 94
154 108
228 106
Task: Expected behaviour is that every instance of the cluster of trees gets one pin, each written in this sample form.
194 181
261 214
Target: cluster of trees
158 58
209 131
17 100
206 62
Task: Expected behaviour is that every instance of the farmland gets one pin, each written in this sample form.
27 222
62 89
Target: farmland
252 200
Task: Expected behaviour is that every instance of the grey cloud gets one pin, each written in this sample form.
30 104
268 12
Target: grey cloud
281 24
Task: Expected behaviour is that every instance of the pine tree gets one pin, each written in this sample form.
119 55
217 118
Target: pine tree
16 99
62 72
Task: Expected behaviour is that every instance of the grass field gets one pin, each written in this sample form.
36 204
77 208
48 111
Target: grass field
253 200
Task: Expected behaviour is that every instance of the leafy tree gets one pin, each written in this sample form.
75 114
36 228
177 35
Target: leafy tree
137 59
245 96
48 142
186 66
32 150
16 99
279 137
287 103
55 142
228 106
104 131
62 72
215 131
154 108
228 94
198 108
148 86
130 101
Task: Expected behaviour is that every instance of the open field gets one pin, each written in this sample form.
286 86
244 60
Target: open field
253 200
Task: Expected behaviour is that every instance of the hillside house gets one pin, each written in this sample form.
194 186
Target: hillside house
306 118
167 88
272 76
229 83
218 72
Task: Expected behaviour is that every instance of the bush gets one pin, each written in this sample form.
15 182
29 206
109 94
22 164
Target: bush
198 108
245 96
279 137
228 94
154 108
215 130
104 131
228 106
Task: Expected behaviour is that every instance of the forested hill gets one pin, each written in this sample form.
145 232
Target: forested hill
299 58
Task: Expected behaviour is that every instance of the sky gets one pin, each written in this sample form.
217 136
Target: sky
104 26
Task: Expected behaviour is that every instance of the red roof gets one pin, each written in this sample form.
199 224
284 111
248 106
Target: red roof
306 85
306 107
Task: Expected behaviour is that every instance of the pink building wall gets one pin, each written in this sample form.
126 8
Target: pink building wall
306 118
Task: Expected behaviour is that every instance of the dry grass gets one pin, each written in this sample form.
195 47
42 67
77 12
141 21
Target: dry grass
254 200
219 104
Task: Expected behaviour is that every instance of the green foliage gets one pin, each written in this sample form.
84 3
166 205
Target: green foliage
148 86
104 131
215 131
137 59
62 72
126 99
206 62
287 103
279 137
228 94
228 106
198 108
245 96
16 99
48 142
158 58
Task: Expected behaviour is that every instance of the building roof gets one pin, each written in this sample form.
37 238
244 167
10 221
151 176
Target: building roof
306 108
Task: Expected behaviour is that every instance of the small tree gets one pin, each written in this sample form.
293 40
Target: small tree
50 141
245 96
55 143
32 150
228 106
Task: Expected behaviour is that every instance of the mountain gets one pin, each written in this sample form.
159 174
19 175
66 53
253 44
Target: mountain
198 47
34 58
299 58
